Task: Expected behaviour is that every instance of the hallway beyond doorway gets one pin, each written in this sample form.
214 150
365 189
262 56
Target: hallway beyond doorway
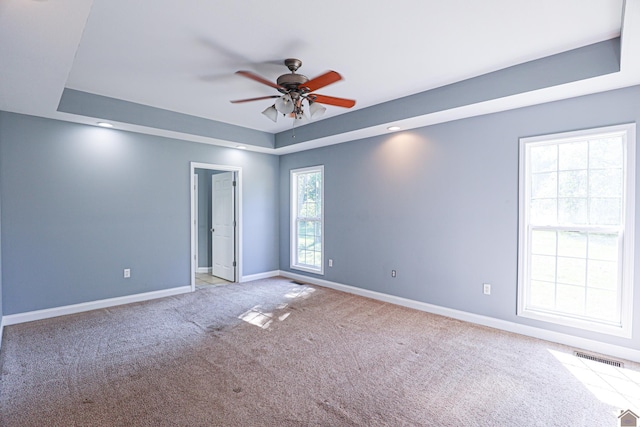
206 279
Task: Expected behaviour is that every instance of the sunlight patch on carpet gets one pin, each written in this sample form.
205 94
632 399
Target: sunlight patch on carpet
300 293
615 386
263 318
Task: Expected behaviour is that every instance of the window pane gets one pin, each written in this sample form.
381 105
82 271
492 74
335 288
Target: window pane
309 192
602 304
606 153
572 184
302 256
603 246
544 185
309 243
301 183
543 268
570 299
605 211
544 158
572 211
603 274
543 294
605 183
572 271
544 211
309 209
573 155
572 244
543 242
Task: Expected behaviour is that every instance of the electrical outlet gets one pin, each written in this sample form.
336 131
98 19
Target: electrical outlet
330 263
393 273
127 273
486 288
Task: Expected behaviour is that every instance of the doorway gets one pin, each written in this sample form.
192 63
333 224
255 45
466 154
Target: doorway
216 224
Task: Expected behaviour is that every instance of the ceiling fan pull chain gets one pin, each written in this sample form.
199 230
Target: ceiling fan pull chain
293 128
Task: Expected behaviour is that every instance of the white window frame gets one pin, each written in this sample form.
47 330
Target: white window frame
624 327
294 264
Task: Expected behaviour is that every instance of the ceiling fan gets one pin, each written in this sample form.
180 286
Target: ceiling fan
295 89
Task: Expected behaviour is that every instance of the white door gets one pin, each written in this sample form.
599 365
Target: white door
223 228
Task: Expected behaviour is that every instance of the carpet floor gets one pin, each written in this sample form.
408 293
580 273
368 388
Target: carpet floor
275 353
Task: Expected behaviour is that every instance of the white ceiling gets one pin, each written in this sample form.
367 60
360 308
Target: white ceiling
181 56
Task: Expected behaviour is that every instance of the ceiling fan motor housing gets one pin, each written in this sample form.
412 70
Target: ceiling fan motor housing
292 81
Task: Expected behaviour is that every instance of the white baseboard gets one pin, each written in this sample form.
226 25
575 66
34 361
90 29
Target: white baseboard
544 334
13 319
259 276
206 270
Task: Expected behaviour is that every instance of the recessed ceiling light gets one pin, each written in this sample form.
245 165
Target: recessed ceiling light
393 128
105 125
241 147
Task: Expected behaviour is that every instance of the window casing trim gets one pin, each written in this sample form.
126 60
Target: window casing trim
627 231
293 220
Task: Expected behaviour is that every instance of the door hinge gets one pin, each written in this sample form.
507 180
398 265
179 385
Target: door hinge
234 183
234 223
234 263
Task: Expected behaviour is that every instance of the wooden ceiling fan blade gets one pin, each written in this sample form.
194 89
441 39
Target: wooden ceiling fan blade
332 100
253 76
238 101
322 81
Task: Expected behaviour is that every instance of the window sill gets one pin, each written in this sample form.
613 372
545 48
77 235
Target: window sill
591 326
319 272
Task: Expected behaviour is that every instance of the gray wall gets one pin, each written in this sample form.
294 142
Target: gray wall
440 205
81 203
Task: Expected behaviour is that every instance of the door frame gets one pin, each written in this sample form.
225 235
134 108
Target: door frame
194 213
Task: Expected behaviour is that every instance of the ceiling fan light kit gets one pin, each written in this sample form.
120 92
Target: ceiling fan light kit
295 89
285 104
316 109
271 113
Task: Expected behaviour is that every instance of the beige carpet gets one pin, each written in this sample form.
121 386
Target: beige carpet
273 353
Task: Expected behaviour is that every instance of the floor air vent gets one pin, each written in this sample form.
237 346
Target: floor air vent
295 282
599 359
